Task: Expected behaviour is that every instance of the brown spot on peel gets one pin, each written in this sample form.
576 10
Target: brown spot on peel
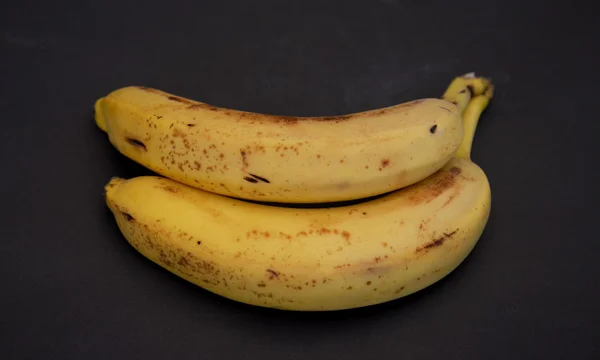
434 186
148 89
449 235
183 262
127 216
346 236
436 242
200 105
260 178
138 144
384 163
244 159
272 274
433 129
334 118
170 189
178 99
455 170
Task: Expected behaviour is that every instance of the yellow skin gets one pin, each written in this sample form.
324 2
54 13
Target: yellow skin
286 159
310 258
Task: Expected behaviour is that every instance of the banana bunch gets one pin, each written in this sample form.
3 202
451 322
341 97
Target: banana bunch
242 203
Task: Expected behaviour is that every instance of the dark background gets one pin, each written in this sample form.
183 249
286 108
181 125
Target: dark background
72 288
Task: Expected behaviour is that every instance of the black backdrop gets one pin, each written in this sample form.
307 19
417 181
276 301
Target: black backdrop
72 288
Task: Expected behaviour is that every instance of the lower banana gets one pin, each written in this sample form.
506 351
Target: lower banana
311 258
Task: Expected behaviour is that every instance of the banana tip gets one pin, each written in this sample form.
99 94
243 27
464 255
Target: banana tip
98 116
113 183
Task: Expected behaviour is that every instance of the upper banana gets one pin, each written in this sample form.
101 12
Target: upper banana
284 158
311 259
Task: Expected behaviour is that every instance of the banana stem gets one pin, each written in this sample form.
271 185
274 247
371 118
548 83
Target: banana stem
471 115
463 88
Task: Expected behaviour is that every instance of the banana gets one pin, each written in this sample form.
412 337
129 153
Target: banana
311 259
283 158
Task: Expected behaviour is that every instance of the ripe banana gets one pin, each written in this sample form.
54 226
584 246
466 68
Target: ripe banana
311 258
283 158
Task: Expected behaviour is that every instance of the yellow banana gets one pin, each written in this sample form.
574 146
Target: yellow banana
310 258
282 158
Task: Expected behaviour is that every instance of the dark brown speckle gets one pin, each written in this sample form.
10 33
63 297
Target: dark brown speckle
138 144
128 216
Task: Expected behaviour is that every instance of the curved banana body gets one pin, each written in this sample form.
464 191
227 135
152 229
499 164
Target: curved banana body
281 158
307 259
